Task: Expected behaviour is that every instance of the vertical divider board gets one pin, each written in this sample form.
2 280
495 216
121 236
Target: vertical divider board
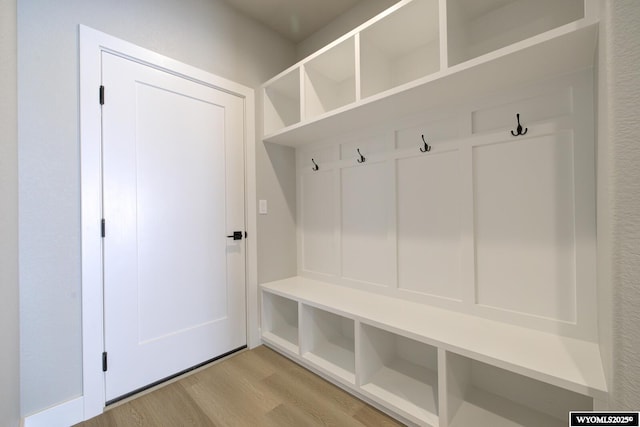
443 387
358 64
360 356
443 37
455 373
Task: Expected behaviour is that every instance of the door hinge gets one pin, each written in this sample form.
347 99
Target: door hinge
104 361
101 95
103 228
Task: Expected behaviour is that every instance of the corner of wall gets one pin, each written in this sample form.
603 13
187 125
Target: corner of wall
604 237
9 317
619 199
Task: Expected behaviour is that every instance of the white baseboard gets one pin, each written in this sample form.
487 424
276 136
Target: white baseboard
63 415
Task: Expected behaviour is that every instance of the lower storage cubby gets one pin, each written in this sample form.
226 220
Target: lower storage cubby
280 321
400 373
329 342
428 367
479 394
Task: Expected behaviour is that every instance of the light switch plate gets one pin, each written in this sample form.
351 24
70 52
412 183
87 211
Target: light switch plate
262 207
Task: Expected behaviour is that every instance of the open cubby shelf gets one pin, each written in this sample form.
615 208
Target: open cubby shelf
280 321
282 102
331 343
400 372
329 80
418 53
402 47
481 394
476 28
431 366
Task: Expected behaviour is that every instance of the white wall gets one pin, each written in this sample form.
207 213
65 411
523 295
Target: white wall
9 356
619 199
207 34
360 13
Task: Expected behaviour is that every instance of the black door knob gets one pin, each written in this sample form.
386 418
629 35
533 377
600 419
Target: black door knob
237 235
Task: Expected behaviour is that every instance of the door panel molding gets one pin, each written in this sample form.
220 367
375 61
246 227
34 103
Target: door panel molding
92 44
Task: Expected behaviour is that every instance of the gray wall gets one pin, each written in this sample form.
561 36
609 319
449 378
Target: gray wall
619 199
277 242
207 34
9 355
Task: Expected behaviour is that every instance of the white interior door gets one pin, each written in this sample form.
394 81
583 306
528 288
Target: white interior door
173 177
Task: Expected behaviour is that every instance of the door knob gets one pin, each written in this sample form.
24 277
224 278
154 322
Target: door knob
237 235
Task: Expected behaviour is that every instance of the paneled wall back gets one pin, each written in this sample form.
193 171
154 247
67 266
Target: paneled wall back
453 208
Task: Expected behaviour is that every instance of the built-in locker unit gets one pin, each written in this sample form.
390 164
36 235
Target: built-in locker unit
445 163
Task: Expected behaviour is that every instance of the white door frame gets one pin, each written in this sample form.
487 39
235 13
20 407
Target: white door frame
92 44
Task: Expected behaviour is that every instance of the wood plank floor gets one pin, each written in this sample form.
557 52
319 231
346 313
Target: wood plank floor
253 388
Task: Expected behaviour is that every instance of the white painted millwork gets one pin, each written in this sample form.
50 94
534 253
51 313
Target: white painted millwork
458 50
173 188
430 234
503 373
479 27
525 226
65 414
466 266
319 203
483 223
365 218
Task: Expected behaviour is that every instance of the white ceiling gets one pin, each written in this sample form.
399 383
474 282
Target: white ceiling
294 19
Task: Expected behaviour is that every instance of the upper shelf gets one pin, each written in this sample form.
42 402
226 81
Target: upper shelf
405 61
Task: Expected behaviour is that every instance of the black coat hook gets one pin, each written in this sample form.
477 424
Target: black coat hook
426 147
519 128
361 159
315 165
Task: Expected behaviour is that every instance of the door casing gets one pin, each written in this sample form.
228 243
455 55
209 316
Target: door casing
92 44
